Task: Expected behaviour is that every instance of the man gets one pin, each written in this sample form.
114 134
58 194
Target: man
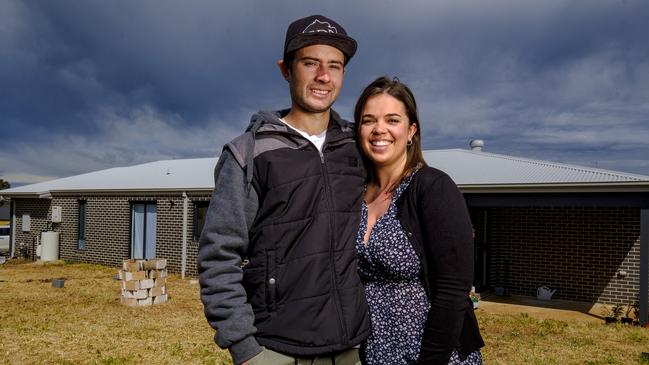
287 198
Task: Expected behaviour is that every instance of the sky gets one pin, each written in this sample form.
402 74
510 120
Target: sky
89 85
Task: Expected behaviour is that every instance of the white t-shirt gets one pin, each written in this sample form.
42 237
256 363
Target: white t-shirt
316 139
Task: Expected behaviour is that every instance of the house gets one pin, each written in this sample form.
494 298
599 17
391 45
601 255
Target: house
143 211
540 223
581 230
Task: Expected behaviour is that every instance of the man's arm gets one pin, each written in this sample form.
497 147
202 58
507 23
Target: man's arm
223 243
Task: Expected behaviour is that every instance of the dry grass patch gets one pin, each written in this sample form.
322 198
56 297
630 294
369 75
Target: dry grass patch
521 339
83 323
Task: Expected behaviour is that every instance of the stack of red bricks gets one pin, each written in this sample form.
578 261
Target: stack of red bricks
144 282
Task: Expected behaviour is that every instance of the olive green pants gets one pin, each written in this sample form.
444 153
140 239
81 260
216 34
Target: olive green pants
270 357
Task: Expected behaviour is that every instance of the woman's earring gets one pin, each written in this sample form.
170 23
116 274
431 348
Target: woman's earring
409 143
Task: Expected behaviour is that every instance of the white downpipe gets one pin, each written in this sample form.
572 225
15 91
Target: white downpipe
183 265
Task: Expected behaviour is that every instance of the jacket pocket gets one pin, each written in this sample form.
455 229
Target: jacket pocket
271 281
254 281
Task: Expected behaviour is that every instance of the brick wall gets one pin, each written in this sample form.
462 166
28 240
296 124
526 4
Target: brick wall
39 213
108 236
169 232
579 251
107 229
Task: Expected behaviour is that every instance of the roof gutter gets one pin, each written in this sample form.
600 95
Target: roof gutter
26 195
48 194
612 187
600 187
132 191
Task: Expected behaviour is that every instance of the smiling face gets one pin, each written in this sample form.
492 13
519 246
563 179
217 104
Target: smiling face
384 132
315 78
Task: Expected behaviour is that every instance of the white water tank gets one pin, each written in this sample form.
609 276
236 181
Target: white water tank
49 246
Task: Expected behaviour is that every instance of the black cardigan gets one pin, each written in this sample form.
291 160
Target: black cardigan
437 223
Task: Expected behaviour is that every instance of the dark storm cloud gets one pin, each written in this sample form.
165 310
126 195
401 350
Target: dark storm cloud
83 55
552 80
87 78
96 84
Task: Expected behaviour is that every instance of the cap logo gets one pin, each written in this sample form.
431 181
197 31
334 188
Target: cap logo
320 27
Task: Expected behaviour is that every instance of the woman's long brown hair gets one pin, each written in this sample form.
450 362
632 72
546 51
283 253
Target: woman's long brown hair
401 92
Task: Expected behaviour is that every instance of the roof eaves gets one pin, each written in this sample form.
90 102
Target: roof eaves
597 187
21 195
27 194
50 193
130 191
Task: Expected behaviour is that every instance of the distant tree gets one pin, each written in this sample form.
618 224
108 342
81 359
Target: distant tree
4 184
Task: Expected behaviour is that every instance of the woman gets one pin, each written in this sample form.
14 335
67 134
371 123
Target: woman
415 244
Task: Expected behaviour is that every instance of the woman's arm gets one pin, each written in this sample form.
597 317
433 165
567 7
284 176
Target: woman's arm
447 236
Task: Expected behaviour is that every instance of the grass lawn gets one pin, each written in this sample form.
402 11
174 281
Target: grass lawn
83 323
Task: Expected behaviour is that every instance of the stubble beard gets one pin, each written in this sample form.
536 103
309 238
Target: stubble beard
301 103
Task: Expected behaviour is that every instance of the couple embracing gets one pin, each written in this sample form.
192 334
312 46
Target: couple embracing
355 250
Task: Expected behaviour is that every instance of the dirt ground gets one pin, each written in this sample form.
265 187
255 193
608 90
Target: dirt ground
543 309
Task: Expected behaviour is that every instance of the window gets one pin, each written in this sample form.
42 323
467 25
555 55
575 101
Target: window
143 230
200 212
81 238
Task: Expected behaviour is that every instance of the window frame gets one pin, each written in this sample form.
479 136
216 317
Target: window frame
196 230
82 223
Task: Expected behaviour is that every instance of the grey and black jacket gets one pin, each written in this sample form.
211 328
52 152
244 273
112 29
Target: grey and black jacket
293 213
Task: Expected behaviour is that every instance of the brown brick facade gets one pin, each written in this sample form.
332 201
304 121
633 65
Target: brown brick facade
579 251
108 236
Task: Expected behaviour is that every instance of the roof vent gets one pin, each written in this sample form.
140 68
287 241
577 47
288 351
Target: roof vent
476 145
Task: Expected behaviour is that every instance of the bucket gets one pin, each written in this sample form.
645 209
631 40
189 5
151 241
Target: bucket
58 283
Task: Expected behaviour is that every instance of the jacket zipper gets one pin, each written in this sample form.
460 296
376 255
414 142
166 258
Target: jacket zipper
332 247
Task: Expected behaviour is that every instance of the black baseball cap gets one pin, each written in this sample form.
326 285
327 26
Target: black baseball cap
318 29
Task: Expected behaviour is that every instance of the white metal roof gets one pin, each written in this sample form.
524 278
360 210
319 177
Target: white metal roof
469 169
184 174
472 167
